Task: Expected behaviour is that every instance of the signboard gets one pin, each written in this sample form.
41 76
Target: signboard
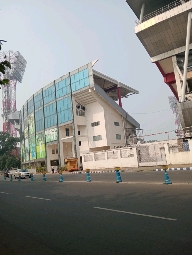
31 124
32 147
22 152
25 128
40 145
26 150
51 135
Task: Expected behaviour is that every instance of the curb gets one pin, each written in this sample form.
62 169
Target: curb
174 169
95 172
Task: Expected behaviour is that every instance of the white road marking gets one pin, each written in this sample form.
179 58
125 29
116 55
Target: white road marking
7 193
40 198
2 192
138 214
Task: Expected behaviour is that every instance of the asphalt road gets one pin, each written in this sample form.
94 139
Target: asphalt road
76 217
130 177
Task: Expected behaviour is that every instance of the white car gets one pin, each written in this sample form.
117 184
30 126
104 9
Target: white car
23 173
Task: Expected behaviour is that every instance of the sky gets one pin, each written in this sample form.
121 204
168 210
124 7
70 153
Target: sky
58 36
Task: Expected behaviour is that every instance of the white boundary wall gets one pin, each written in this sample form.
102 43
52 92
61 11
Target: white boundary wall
127 157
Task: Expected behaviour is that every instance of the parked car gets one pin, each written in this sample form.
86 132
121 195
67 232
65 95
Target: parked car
23 173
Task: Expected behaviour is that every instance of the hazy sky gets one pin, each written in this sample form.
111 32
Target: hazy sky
58 36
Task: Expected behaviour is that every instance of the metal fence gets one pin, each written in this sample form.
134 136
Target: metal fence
165 8
151 154
179 147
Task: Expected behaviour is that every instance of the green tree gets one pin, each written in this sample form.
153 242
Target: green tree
7 144
3 65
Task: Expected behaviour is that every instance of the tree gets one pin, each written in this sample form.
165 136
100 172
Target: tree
3 65
7 144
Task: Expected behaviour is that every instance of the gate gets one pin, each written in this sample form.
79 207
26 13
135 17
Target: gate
151 154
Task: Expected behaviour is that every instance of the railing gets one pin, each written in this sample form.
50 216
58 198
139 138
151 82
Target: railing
165 8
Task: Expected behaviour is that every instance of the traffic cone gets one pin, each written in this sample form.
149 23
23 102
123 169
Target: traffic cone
61 178
88 177
118 176
167 180
32 178
44 177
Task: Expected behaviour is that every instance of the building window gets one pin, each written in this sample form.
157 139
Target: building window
79 132
79 143
94 124
67 131
53 151
116 123
118 137
56 151
97 138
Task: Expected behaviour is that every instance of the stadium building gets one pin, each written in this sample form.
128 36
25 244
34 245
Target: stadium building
164 29
78 113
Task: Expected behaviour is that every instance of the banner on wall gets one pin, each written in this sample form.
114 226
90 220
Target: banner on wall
22 152
32 147
31 124
40 145
25 128
51 135
26 150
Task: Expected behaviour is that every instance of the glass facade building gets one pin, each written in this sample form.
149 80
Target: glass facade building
48 109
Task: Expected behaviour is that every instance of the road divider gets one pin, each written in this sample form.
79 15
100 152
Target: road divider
61 178
118 175
88 176
173 169
44 177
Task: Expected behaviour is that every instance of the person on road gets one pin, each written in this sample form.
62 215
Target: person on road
52 170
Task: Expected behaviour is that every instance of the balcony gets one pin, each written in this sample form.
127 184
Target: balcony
162 10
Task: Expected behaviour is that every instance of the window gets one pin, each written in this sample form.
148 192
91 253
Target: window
56 151
94 124
79 132
53 151
79 143
116 123
97 138
118 137
67 131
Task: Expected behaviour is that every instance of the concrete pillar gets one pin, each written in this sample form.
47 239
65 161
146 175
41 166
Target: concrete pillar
167 154
178 77
186 57
119 94
142 12
61 148
75 133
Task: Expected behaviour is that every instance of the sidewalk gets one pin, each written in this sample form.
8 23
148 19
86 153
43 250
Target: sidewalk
138 169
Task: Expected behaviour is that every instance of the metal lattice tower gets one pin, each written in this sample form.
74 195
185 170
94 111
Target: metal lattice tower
18 65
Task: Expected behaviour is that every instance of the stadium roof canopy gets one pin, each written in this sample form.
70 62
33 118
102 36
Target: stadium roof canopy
109 85
150 5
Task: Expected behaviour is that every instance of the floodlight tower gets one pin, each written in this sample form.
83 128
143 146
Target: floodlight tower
18 65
